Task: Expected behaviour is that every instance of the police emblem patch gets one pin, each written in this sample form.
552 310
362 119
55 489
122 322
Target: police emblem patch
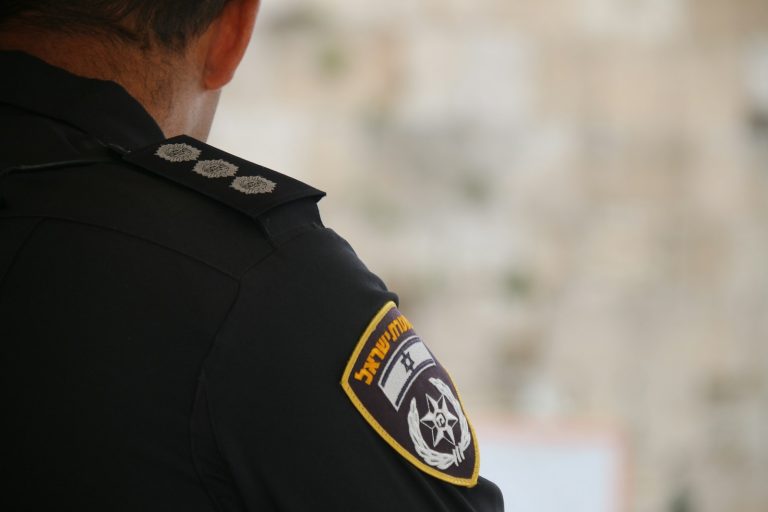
402 391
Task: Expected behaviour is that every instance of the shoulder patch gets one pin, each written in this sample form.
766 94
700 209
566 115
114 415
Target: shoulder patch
245 186
401 390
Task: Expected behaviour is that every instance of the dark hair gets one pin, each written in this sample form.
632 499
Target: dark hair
168 23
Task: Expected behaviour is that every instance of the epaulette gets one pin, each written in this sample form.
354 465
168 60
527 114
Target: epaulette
240 184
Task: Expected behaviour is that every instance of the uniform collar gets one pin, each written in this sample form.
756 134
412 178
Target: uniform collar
99 108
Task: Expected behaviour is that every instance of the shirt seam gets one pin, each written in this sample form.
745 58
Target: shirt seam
202 376
19 250
130 235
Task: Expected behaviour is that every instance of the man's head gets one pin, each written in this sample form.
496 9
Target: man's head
172 55
148 23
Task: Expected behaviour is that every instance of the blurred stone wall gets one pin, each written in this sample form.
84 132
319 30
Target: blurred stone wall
570 197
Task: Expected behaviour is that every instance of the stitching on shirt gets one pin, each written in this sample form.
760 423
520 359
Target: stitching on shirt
23 244
130 235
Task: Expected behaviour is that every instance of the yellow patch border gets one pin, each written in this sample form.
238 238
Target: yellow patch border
465 482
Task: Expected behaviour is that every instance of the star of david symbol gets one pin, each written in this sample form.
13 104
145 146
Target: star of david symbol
439 420
407 362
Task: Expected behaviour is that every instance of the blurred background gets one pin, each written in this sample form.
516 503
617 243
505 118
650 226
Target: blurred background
571 199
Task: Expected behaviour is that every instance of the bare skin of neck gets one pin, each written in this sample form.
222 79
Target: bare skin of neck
166 84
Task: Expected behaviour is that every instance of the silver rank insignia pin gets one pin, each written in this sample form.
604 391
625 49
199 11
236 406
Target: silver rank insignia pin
215 168
179 152
253 185
404 393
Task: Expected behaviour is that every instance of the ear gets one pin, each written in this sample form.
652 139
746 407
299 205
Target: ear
227 39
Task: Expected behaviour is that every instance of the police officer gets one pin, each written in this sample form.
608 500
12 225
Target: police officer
178 330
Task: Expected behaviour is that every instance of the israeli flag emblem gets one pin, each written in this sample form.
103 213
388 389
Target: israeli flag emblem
410 359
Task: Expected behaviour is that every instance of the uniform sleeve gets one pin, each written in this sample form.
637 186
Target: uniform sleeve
289 436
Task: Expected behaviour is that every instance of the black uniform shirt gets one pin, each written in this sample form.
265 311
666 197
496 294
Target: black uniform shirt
179 332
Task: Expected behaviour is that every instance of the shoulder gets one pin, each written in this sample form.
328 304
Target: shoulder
180 193
249 188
